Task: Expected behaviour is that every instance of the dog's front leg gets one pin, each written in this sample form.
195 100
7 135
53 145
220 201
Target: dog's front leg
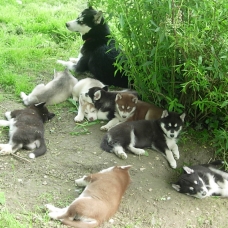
81 110
82 182
175 151
170 158
4 123
110 124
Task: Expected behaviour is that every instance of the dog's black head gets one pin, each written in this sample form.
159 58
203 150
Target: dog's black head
172 123
42 111
88 19
94 94
190 183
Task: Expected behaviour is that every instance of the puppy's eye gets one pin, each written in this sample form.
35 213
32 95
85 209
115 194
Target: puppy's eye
86 113
93 111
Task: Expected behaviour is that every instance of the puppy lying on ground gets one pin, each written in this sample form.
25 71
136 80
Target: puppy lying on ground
104 102
204 180
160 134
99 200
26 130
129 108
54 92
81 88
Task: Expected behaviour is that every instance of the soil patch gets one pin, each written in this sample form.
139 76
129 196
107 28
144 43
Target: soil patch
150 200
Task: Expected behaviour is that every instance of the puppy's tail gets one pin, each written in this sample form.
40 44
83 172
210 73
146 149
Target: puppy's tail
105 144
40 150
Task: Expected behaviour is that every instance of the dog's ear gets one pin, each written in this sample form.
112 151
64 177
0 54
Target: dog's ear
97 95
98 17
39 105
176 187
50 115
135 100
118 96
164 114
188 170
182 116
125 167
105 88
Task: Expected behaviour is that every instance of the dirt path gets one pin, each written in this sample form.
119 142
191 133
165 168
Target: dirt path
149 202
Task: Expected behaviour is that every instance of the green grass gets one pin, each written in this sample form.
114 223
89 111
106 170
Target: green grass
32 37
30 45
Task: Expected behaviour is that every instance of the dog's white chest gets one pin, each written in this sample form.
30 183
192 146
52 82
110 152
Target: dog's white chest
171 143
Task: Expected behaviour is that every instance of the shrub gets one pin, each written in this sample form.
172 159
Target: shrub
176 53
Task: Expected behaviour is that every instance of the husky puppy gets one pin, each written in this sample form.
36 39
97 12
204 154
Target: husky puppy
26 130
104 102
54 92
201 181
129 108
98 53
99 200
160 134
81 88
86 110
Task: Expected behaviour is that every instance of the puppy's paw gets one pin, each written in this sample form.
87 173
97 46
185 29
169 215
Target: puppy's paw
74 60
81 181
70 65
122 155
5 149
50 207
173 164
104 128
78 119
23 95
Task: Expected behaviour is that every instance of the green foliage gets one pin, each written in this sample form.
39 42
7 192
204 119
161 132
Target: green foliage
176 53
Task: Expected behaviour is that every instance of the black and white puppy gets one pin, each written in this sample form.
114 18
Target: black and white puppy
98 53
160 134
26 130
104 102
204 180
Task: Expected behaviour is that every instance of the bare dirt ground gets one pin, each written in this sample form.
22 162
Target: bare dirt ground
150 200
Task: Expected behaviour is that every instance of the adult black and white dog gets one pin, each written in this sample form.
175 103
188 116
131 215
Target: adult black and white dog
160 134
98 53
204 180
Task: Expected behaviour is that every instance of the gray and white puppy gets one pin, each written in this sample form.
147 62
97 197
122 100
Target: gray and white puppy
54 92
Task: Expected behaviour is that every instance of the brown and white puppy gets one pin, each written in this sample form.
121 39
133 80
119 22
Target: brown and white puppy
129 108
99 200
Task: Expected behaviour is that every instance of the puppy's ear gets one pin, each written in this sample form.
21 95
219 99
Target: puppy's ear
98 17
97 95
188 170
182 116
105 88
50 115
118 96
164 114
135 100
39 105
176 187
